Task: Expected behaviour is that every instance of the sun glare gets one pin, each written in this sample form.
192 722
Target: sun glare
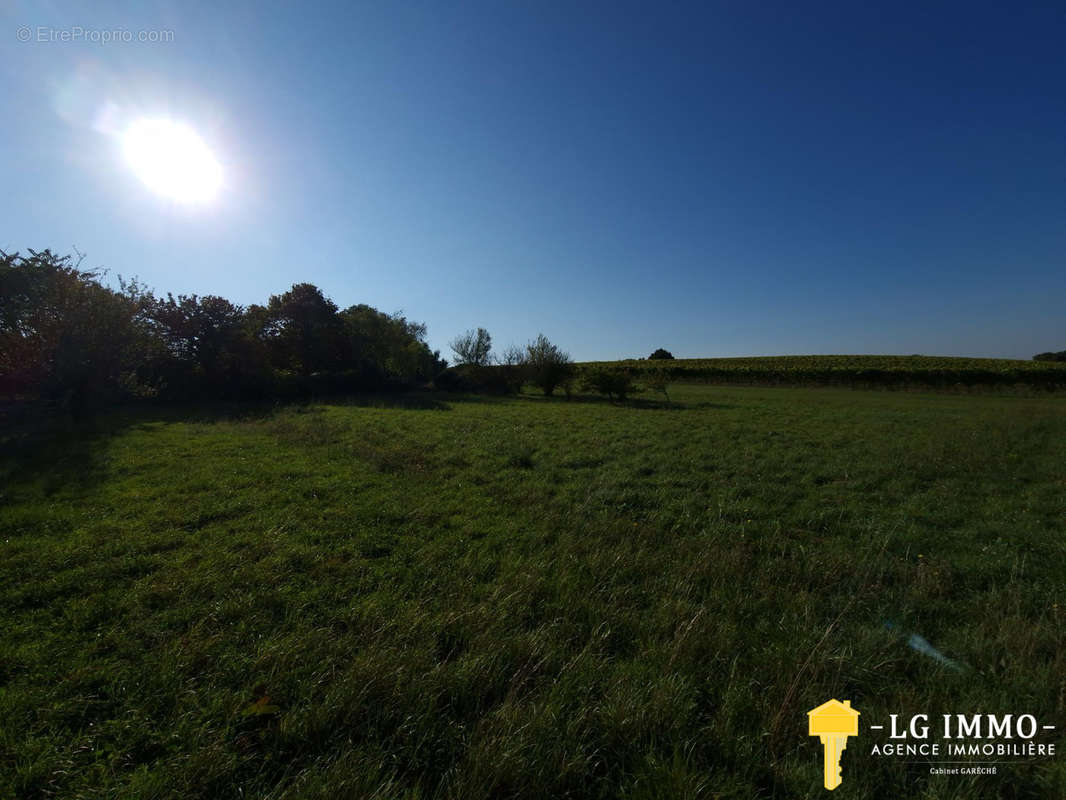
172 160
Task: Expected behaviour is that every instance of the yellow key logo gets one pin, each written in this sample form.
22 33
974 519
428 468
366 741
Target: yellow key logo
833 722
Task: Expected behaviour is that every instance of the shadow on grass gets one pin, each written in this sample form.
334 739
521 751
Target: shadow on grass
40 444
253 411
629 402
57 452
704 405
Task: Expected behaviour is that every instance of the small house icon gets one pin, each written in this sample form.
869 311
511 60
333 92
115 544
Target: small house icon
833 717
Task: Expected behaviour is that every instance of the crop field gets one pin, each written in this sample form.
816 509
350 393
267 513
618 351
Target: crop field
438 596
864 371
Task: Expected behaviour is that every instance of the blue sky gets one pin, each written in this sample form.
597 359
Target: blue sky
717 178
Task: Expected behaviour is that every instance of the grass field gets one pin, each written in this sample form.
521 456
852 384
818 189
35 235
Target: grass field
940 372
445 597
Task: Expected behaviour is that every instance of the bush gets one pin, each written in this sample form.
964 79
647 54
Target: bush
468 378
661 354
611 382
453 380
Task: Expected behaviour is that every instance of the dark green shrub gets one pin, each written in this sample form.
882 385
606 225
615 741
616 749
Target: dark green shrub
468 378
611 382
454 380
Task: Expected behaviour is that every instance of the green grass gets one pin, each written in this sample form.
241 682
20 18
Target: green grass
443 597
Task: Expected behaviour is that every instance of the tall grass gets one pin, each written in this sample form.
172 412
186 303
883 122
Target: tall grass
526 597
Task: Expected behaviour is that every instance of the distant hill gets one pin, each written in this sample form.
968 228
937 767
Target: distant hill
850 370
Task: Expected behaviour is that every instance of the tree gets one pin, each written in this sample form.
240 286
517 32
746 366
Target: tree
473 347
549 366
302 330
514 368
63 335
206 345
388 345
67 338
197 330
661 354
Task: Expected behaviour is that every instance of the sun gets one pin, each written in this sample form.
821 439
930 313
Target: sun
172 160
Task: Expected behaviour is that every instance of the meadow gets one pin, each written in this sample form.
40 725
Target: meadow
939 372
443 596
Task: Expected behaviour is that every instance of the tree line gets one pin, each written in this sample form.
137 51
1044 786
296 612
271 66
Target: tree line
69 341
67 338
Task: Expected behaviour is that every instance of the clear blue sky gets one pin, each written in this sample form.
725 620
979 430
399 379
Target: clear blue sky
740 178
